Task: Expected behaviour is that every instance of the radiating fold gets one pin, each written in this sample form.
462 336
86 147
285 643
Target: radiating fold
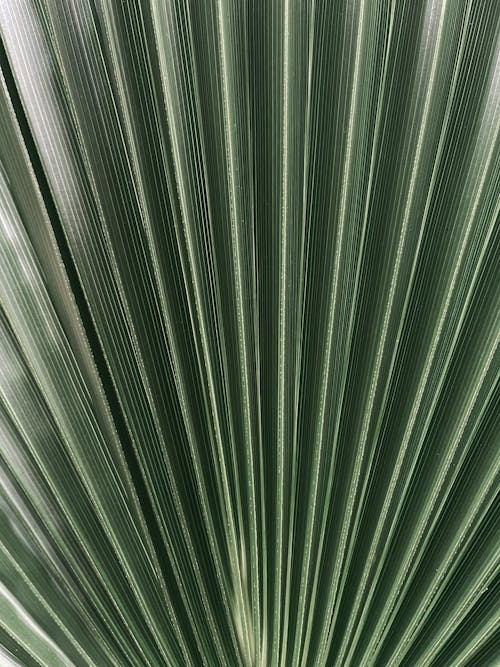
249 326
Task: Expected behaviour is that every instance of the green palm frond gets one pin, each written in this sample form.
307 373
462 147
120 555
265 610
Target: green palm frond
249 326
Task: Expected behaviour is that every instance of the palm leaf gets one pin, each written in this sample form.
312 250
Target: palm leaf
249 326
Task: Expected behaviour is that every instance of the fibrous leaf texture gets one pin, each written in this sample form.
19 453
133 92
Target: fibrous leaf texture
249 326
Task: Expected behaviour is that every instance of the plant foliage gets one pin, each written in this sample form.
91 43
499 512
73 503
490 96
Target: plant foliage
249 326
